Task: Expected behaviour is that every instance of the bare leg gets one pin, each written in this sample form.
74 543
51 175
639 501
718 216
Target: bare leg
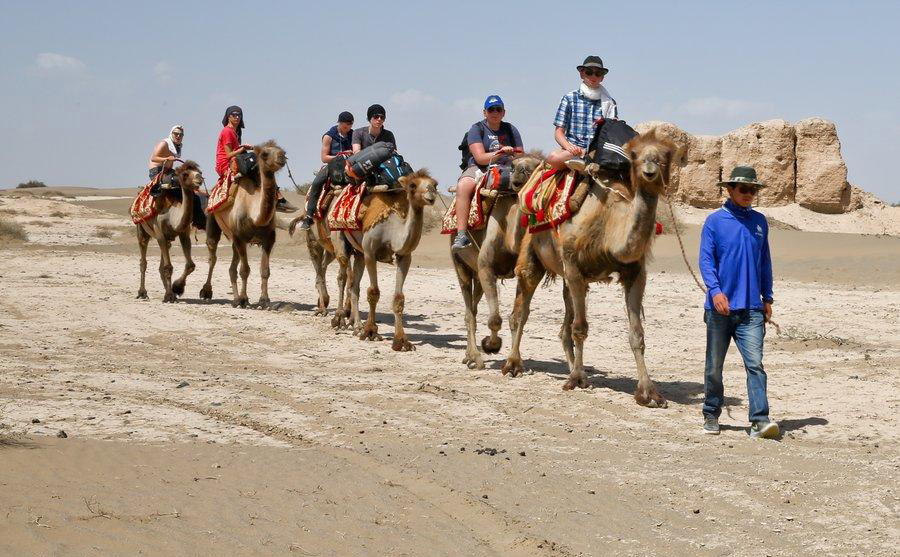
401 343
189 266
264 270
557 159
213 235
165 268
529 271
465 188
370 329
577 287
645 394
357 270
143 239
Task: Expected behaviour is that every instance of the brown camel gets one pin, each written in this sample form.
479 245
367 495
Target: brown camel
173 220
250 219
492 255
392 228
608 235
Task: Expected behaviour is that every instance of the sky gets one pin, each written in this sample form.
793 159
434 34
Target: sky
88 88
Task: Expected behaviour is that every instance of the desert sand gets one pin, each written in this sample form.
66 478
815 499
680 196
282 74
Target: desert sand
199 429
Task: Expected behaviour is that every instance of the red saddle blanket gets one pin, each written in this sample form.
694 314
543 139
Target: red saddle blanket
144 206
544 200
220 197
346 212
479 209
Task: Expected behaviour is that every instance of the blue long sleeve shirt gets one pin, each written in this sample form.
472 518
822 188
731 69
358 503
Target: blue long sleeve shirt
735 258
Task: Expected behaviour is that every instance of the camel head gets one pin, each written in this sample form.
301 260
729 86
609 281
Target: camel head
523 166
270 157
652 158
189 175
420 187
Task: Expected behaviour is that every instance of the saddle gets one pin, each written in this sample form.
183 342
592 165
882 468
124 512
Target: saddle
545 199
490 185
346 214
222 194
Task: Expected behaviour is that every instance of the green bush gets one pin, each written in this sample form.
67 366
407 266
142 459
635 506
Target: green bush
31 184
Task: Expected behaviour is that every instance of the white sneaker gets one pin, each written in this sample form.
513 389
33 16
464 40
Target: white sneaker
764 430
577 164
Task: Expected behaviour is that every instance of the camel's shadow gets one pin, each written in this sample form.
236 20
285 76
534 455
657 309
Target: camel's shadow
682 392
274 305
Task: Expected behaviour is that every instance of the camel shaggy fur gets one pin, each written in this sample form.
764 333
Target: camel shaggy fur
173 220
392 228
492 255
250 219
610 234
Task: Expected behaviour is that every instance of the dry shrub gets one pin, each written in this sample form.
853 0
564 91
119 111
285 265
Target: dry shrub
58 214
31 184
105 232
11 230
41 223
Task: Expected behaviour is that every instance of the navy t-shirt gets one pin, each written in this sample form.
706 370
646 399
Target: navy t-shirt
493 140
339 143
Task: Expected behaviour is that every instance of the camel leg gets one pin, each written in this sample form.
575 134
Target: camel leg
370 329
233 273
240 256
317 255
401 343
165 268
472 359
267 245
189 266
645 394
529 271
565 333
143 239
339 321
356 277
213 235
491 344
577 289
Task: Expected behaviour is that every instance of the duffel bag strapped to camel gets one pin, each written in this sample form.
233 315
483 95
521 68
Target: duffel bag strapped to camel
247 165
606 146
368 160
391 170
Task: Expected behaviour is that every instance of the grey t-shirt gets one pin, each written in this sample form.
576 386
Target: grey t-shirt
363 138
506 136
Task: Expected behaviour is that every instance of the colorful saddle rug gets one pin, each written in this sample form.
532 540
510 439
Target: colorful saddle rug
222 195
481 206
346 212
144 206
324 200
544 199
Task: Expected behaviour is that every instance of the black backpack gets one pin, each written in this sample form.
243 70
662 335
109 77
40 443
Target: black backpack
607 143
392 169
246 164
464 144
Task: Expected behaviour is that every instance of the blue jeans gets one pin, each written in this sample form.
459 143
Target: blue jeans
748 328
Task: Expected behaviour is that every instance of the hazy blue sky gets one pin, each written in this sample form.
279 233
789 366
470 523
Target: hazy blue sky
87 88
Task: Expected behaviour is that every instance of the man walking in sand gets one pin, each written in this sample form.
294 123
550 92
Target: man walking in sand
737 269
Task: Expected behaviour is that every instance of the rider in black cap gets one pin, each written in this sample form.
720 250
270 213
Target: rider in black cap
374 132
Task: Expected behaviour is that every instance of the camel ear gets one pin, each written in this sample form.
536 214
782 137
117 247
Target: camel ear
403 181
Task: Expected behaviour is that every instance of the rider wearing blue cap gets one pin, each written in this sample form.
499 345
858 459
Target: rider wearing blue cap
491 141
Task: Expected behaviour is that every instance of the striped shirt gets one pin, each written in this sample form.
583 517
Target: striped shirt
577 115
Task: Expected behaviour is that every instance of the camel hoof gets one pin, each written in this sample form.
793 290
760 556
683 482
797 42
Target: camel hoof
320 311
581 383
263 303
400 344
650 399
142 295
240 302
339 321
169 298
369 332
513 367
178 287
473 362
491 346
206 292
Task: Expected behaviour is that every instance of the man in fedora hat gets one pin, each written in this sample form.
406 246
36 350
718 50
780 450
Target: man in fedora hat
579 113
737 269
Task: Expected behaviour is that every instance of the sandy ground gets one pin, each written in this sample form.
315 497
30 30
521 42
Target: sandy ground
198 429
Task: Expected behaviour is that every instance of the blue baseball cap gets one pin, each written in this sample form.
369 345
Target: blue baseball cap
492 100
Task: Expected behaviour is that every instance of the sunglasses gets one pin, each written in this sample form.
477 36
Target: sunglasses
495 109
747 189
377 117
237 114
590 72
176 134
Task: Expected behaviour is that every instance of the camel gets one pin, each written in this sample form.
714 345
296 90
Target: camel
250 219
492 256
392 228
609 234
173 220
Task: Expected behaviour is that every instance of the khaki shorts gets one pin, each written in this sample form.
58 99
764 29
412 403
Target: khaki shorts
472 172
